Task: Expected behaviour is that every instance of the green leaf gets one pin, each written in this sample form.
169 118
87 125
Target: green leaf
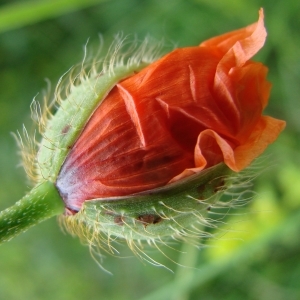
19 14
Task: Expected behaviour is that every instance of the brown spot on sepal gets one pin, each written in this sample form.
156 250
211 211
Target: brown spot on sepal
200 191
119 220
220 185
66 129
149 219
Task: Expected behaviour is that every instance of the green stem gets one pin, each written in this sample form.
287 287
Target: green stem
41 203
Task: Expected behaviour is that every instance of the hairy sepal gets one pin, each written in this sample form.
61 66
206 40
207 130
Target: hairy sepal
163 212
65 126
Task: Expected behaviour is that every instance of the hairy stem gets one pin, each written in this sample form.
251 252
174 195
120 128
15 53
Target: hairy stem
41 203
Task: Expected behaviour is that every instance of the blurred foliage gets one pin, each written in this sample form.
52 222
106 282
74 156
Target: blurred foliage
256 251
30 12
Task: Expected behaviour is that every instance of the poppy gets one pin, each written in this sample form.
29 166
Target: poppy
190 110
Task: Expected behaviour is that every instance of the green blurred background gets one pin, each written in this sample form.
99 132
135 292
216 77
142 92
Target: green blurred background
257 259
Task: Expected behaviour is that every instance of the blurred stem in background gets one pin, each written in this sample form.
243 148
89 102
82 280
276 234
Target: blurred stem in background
23 13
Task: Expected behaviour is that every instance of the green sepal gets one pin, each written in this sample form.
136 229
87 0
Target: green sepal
156 213
74 112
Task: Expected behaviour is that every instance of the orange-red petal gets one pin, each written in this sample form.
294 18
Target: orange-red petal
193 108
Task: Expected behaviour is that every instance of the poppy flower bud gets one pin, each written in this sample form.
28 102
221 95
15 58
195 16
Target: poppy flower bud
143 149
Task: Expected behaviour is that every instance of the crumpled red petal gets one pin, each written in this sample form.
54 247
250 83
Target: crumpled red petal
193 108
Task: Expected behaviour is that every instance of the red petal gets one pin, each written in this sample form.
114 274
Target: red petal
238 46
265 132
191 109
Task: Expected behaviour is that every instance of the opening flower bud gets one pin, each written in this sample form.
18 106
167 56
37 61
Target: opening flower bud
144 148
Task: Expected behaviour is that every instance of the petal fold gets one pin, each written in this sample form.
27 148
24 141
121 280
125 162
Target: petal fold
192 109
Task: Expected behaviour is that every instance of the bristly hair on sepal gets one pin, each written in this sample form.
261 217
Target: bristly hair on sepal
190 215
124 53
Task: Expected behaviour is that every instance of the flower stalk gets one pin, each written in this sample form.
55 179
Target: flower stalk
41 203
